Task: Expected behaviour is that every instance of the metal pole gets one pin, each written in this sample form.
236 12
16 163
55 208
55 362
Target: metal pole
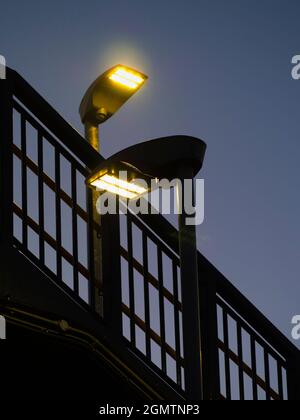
190 295
6 178
92 136
293 375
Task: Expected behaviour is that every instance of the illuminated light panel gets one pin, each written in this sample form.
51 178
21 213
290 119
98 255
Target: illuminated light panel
130 76
124 82
127 78
113 189
118 186
123 184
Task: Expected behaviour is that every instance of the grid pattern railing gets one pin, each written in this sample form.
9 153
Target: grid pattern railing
50 205
250 368
244 356
151 298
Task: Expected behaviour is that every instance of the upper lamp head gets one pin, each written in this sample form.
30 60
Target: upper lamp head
109 92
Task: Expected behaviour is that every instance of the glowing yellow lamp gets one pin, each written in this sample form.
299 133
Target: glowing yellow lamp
108 93
118 186
127 77
119 178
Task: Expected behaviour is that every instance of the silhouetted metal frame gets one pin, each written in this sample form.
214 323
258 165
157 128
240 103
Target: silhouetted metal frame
214 288
17 95
166 350
41 111
38 228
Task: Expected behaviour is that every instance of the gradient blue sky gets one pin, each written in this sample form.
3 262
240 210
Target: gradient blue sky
219 70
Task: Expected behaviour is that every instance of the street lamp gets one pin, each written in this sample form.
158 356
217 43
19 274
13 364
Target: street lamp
102 100
171 158
106 95
177 157
155 159
107 178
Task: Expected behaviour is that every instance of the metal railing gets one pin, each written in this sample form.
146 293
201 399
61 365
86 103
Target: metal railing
151 298
47 216
50 204
258 370
244 356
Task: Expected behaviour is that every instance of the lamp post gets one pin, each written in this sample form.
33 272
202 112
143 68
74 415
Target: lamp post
189 272
177 157
102 100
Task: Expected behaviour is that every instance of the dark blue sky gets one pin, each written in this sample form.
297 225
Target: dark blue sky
219 70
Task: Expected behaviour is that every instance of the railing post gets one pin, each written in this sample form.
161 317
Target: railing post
293 378
209 334
111 269
190 296
6 166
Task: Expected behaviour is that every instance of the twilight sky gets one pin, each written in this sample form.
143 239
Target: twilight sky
219 70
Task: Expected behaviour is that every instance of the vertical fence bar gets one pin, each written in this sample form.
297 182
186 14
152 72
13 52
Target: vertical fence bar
146 295
161 311
24 181
58 216
209 336
6 168
97 254
267 375
177 324
90 241
254 369
75 228
226 355
131 281
240 354
293 377
111 263
190 295
41 198
280 381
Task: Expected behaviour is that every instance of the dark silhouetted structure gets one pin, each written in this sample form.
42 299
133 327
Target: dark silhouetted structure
54 333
